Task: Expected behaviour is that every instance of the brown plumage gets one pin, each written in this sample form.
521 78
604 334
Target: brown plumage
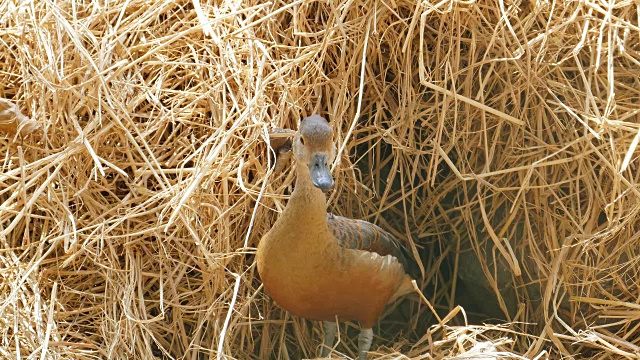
321 266
363 235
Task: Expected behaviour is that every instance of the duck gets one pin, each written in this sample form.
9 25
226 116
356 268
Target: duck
320 266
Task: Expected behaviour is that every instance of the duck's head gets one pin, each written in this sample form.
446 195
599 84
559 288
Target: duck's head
313 147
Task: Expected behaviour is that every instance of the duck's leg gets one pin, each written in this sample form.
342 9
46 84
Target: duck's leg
330 328
364 343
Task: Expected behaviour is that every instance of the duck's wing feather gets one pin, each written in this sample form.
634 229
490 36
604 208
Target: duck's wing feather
363 235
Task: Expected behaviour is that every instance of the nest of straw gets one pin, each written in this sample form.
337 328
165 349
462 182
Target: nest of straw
498 138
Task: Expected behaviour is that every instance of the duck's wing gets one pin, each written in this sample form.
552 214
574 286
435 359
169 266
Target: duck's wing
363 235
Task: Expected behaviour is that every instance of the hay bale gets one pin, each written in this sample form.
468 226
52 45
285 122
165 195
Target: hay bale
468 128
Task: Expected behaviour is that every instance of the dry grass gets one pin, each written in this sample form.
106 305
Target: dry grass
496 133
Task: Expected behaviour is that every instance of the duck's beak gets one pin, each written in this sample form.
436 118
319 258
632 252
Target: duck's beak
320 173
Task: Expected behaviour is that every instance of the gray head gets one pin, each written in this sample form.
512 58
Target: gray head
313 146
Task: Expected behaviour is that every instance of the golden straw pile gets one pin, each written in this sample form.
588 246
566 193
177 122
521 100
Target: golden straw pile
498 138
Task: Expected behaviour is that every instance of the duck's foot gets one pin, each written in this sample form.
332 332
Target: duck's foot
330 329
364 343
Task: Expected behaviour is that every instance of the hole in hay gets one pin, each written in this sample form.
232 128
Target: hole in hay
602 218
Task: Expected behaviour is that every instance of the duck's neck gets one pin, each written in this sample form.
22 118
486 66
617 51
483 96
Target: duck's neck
302 227
307 201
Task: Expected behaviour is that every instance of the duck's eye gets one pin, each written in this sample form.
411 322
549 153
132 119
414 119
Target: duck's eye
302 141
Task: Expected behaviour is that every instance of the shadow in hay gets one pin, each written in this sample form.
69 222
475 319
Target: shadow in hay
437 244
